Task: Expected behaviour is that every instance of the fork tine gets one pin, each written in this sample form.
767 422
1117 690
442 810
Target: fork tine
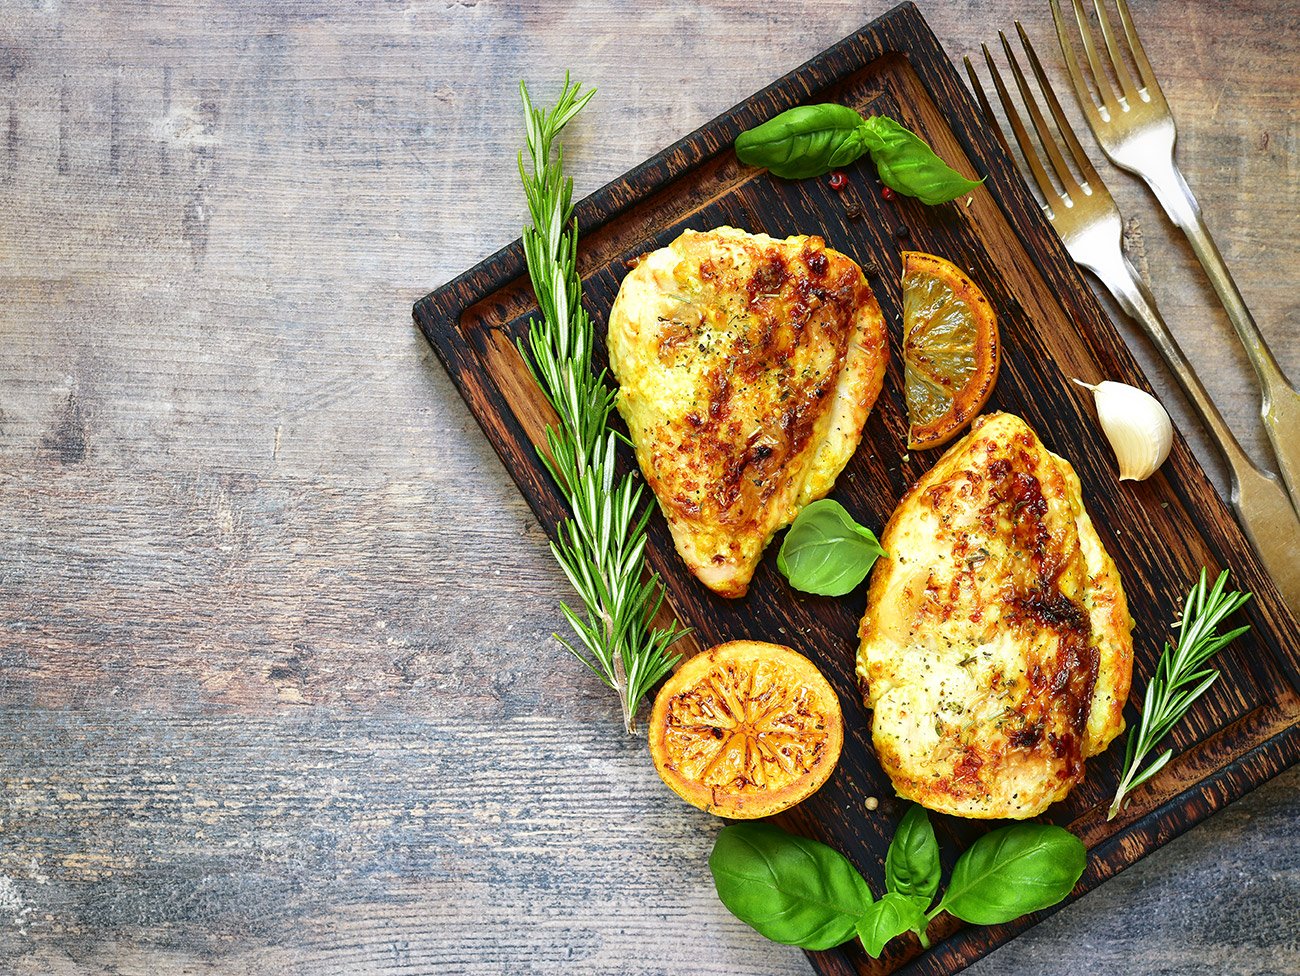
1081 88
1100 90
1139 55
1116 58
1045 137
1090 177
985 107
1050 194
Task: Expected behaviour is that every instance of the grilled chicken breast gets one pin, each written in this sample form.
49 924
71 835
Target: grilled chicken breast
996 647
747 367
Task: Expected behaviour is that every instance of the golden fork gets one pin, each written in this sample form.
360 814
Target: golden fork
1089 224
1136 132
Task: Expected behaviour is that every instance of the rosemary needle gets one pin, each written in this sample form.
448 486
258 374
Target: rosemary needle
1180 679
602 547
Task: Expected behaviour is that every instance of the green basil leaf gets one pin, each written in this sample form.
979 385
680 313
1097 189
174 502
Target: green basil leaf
893 915
826 552
808 140
1013 871
791 889
912 864
907 164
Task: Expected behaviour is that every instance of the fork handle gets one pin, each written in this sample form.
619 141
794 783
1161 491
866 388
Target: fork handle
1281 401
1263 508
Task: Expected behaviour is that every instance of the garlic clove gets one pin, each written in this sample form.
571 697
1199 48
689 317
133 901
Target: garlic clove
1136 425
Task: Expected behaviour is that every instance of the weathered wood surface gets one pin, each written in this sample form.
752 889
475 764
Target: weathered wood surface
1160 533
278 688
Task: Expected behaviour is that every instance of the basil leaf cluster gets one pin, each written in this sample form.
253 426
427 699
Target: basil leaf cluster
804 893
826 552
810 140
911 880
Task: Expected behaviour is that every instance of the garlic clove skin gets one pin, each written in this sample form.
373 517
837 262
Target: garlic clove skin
1136 425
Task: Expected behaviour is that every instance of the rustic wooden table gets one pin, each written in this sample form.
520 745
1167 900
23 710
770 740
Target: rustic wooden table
278 687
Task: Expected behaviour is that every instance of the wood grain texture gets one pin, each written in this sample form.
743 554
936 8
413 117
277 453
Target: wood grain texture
277 687
1051 330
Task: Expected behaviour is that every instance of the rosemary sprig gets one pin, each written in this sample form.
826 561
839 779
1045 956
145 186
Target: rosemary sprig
1180 679
602 548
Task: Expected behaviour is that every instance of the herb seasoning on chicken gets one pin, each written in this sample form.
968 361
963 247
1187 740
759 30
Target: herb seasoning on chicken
996 647
747 367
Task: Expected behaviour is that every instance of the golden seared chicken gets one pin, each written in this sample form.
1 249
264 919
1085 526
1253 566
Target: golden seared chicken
996 648
747 367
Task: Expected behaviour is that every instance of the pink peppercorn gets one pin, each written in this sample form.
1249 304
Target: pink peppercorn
838 180
887 194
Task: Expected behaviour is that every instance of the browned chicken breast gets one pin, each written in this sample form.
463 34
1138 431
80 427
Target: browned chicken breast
996 648
747 367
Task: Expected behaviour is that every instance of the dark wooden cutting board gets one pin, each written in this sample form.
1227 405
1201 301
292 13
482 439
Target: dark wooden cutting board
1160 532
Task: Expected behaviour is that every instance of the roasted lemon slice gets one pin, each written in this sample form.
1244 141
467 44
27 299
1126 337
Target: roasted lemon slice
950 349
746 729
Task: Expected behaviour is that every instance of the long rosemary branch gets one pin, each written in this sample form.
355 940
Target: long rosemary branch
1180 679
602 548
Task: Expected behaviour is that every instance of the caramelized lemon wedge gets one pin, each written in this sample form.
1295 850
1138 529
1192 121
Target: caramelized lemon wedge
950 349
746 729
